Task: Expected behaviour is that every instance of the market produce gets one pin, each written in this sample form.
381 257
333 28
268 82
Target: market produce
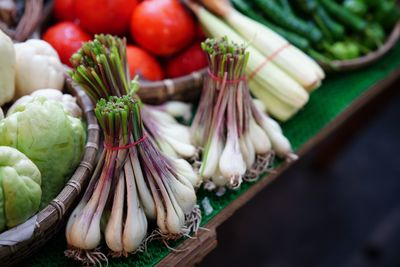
20 191
7 69
143 64
187 61
164 185
63 10
282 94
348 29
47 135
68 101
162 31
117 117
290 59
87 75
66 38
162 27
37 66
232 131
104 16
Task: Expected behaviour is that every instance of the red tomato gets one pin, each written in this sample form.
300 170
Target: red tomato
188 61
105 16
66 38
162 27
64 10
200 35
143 64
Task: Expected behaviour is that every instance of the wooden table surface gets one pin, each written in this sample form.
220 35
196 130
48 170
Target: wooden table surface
192 251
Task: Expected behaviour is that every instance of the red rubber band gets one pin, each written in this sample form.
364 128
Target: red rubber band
115 148
268 59
219 79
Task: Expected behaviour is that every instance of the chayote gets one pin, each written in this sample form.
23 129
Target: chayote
20 191
47 135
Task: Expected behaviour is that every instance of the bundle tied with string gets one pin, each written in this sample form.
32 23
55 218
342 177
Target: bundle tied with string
237 139
134 180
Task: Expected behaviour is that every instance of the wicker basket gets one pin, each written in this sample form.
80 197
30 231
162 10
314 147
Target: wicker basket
186 88
28 22
358 63
52 218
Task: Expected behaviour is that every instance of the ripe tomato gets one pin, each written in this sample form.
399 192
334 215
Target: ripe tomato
105 16
66 38
186 62
162 27
143 64
64 10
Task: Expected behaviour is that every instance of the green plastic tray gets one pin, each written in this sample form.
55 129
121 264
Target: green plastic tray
326 103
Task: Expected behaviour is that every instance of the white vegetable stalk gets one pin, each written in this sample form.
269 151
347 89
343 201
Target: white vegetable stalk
280 144
290 59
144 192
278 83
113 232
136 223
171 137
177 109
280 110
231 164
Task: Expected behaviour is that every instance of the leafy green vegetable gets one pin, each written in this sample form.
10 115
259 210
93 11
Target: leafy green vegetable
20 191
46 134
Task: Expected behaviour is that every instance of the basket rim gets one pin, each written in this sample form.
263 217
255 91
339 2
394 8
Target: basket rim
357 63
59 206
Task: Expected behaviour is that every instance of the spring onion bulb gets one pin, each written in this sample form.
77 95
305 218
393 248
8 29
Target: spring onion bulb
135 228
176 109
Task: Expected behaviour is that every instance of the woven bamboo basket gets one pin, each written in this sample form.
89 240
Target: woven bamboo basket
186 88
23 240
358 63
20 28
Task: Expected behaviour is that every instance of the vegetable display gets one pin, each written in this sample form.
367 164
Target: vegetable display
237 138
163 27
281 93
133 179
68 101
7 69
99 16
161 32
66 38
326 29
31 129
37 66
102 54
20 191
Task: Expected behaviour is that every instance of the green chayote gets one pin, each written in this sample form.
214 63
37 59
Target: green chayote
20 191
47 135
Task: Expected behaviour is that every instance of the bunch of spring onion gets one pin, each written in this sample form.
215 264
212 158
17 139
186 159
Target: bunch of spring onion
279 74
112 194
237 138
100 62
165 185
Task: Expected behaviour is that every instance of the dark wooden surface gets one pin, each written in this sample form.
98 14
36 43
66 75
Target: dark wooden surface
192 251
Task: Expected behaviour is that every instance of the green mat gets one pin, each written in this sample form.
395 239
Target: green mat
337 93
